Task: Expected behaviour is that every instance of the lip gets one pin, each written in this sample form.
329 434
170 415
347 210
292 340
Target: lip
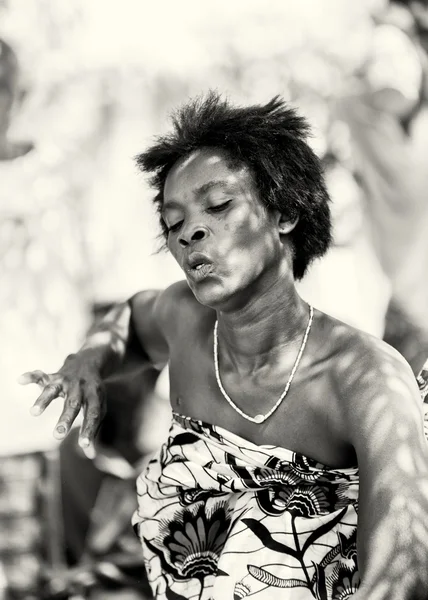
200 273
197 275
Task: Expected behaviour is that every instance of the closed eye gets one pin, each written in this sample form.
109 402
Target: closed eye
174 227
219 207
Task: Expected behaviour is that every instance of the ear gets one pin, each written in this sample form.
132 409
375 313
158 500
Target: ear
286 225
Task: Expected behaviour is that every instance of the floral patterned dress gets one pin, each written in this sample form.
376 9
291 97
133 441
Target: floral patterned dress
221 518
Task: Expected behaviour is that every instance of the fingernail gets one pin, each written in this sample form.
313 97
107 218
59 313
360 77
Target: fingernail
84 443
89 452
35 411
60 432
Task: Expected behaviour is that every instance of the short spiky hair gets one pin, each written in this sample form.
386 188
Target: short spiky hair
271 140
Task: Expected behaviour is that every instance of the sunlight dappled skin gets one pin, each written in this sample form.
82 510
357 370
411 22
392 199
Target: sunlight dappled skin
379 398
241 232
395 462
332 451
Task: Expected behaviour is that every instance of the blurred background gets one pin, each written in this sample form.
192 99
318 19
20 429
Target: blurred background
86 84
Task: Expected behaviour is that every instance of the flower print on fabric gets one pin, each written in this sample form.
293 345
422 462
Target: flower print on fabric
220 517
191 544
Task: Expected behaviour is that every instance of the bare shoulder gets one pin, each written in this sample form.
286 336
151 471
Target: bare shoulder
160 304
160 317
156 315
366 369
167 310
177 308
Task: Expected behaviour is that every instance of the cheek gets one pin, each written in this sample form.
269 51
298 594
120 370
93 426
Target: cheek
173 249
255 231
250 244
245 226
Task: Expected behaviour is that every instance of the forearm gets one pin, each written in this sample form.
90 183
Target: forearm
128 328
393 562
107 341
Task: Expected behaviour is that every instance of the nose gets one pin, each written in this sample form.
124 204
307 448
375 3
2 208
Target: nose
194 234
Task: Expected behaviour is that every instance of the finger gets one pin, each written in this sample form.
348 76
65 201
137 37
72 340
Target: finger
93 413
51 391
38 377
89 451
71 409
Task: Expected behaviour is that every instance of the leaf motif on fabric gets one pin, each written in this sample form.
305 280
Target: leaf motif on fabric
272 580
266 538
323 529
320 585
242 590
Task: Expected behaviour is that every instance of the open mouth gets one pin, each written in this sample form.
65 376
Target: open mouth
200 270
199 266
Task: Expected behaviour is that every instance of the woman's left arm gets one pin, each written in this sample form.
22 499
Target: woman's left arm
385 423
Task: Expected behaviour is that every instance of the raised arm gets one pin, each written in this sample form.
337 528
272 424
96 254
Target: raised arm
133 327
385 421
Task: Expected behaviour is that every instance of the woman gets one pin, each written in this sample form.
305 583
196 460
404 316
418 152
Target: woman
287 423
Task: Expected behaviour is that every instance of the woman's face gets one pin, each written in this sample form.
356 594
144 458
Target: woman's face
220 233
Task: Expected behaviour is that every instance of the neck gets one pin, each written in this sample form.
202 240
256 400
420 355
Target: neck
258 332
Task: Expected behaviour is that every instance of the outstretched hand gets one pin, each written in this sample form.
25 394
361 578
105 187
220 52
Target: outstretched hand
79 382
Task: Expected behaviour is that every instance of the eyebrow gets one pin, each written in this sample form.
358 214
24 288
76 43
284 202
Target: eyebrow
199 191
170 204
206 187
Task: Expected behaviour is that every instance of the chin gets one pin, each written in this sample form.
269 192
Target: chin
219 298
211 294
